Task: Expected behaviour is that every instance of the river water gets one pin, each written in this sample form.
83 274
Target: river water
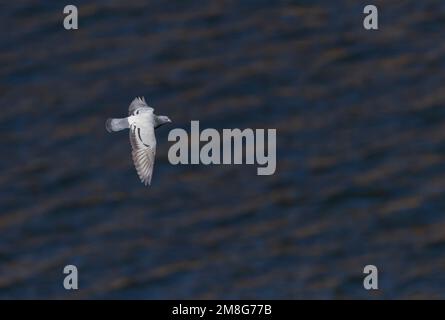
360 123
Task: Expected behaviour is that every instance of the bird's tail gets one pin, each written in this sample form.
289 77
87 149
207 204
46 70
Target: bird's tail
116 124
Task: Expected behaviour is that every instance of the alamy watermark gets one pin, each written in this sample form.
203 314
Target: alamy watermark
233 146
371 281
370 22
70 282
71 20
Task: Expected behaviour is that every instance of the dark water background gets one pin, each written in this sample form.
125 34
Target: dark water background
360 125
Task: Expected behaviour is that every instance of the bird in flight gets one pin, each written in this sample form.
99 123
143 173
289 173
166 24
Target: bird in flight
142 123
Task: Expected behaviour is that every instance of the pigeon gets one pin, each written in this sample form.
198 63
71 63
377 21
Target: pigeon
142 123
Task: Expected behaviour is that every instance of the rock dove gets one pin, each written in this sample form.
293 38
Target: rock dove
142 122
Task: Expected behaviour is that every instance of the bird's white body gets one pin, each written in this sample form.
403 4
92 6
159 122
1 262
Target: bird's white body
144 121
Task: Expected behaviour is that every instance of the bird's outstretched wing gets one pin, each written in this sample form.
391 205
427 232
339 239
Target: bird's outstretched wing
143 144
136 105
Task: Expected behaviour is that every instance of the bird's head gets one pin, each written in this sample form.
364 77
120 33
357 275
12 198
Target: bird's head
160 120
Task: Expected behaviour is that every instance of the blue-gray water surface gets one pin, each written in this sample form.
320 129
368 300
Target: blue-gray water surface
360 123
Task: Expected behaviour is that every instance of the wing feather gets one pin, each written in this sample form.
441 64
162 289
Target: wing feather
138 104
143 153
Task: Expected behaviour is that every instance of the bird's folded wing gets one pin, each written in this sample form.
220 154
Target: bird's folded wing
137 104
143 152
